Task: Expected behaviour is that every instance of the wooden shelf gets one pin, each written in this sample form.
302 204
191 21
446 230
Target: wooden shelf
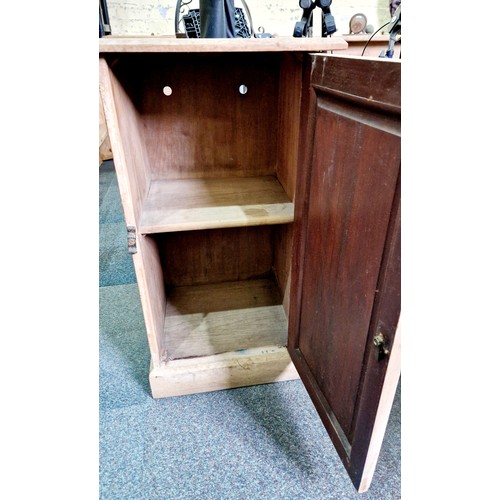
223 335
171 44
204 320
188 204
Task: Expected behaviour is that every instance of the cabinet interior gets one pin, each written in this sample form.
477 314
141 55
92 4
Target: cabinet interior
210 149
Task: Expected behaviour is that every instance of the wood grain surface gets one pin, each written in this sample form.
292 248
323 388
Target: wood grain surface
345 241
210 319
260 365
188 204
193 45
216 255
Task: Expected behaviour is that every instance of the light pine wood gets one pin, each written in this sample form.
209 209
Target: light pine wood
123 170
170 44
104 143
105 152
132 174
261 365
210 319
282 261
148 271
187 204
124 129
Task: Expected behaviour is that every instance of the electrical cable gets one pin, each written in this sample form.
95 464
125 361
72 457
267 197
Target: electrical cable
369 39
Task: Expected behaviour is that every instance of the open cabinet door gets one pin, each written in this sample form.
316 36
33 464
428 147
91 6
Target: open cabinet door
345 300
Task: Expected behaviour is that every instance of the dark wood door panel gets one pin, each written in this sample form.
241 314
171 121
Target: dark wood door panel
349 210
376 376
345 254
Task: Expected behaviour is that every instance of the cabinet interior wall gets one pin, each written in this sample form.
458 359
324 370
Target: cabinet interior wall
186 124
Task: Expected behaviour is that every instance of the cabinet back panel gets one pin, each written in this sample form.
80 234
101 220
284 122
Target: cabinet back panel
206 127
216 255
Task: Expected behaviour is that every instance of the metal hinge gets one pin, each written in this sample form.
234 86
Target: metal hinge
131 240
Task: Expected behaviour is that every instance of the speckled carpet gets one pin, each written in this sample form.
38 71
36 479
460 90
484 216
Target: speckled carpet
262 442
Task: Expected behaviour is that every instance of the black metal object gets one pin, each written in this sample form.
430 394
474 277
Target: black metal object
217 19
188 21
104 26
192 24
304 26
394 30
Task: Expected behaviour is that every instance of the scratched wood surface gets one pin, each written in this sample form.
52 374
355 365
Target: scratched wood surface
209 319
259 365
171 44
346 222
188 204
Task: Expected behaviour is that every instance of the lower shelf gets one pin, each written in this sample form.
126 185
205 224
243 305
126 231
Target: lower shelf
221 336
210 319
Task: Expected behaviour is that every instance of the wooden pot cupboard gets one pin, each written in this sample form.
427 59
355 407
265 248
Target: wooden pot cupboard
260 182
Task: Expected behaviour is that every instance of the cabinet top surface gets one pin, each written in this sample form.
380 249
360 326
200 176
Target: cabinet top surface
172 44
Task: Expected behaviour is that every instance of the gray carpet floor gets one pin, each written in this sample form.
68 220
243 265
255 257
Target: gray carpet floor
262 442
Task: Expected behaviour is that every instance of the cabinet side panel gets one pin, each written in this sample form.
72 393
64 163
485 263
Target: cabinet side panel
151 286
286 166
301 199
289 119
126 139
133 180
282 261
